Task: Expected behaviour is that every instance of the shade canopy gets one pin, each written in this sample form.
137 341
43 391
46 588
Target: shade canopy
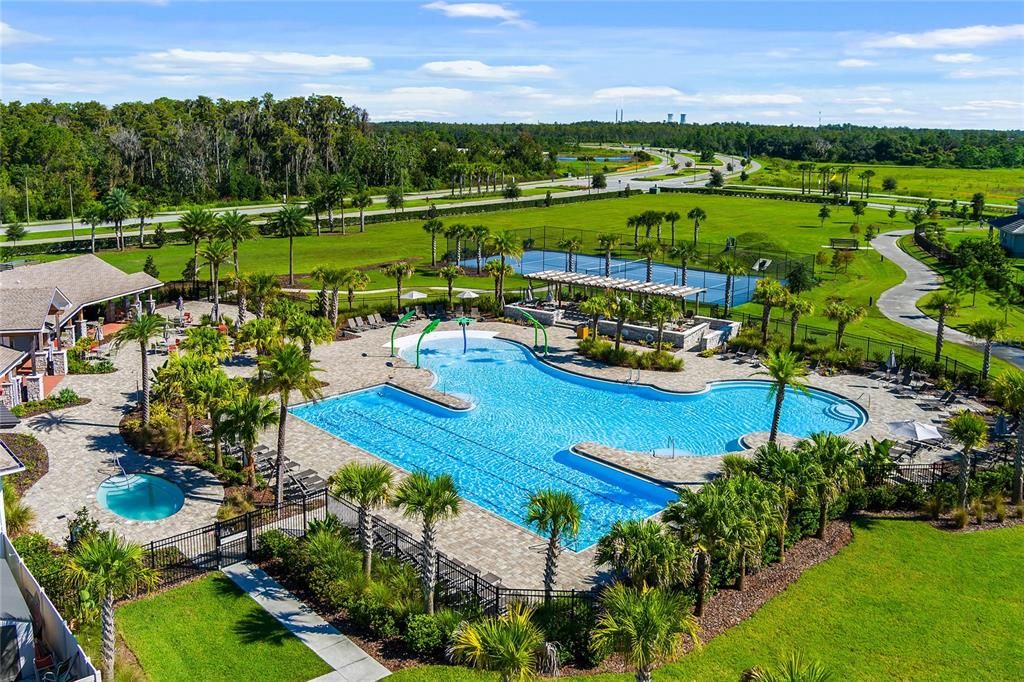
632 286
467 294
413 295
911 430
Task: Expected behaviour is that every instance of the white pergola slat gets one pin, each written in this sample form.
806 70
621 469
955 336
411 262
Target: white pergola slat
615 284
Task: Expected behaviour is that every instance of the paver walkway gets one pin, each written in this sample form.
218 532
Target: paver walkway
899 303
350 663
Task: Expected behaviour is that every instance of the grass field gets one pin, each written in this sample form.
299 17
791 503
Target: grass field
1000 185
903 601
758 223
211 630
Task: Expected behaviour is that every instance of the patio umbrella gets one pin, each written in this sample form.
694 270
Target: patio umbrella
911 430
891 363
528 298
467 294
99 332
151 305
413 295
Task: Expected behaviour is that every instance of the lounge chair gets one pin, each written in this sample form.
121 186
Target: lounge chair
475 313
376 321
351 326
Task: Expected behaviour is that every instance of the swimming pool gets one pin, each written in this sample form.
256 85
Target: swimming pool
537 260
140 497
526 415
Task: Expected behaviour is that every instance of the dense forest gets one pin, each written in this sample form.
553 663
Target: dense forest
172 152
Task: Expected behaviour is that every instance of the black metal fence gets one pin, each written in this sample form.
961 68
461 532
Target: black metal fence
925 475
223 543
873 349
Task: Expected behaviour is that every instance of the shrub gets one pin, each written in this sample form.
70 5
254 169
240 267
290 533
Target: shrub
276 544
160 236
570 623
881 498
430 635
328 524
997 507
856 499
910 497
235 504
375 615
1018 511
978 510
960 517
942 496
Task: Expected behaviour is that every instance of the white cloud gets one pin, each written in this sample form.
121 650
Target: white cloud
177 60
405 103
984 73
468 68
10 36
967 36
27 72
863 100
854 63
758 99
637 92
986 105
957 58
883 110
477 10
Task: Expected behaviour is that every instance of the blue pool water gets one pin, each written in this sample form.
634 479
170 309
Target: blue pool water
539 260
140 497
527 415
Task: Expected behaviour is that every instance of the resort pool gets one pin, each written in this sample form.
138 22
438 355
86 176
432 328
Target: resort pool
537 260
140 497
527 415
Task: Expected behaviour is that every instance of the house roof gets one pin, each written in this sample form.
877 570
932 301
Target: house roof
82 280
25 309
10 357
1011 224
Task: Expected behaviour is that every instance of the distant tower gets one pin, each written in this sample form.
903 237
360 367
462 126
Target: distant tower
670 118
682 119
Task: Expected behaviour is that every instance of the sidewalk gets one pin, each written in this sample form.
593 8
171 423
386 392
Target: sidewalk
350 663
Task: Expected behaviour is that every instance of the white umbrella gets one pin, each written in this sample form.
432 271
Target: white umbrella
413 295
468 294
911 430
891 364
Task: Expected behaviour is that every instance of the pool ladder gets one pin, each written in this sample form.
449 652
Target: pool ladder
632 380
670 445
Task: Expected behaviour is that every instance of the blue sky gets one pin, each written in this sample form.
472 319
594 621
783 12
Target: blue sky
941 64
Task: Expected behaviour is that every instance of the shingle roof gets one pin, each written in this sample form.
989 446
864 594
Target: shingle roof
24 308
9 357
83 280
1011 224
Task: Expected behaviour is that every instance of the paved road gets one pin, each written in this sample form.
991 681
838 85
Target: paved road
899 303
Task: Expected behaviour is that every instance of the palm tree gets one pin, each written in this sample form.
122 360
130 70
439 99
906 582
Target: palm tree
786 369
354 280
324 275
215 390
620 308
494 269
177 381
338 187
793 669
92 213
649 248
702 521
431 500
824 213
634 222
479 233
792 474
797 307
507 644
118 207
215 254
362 200
142 330
506 245
646 625
196 224
449 274
643 552
988 329
109 567
769 293
838 469
245 418
263 288
1006 299
608 243
661 310
672 217
368 486
1008 389
433 227
842 314
290 222
594 307
143 211
236 228
685 253
970 431
570 245
555 513
697 215
207 343
398 271
757 518
945 304
866 176
309 330
732 269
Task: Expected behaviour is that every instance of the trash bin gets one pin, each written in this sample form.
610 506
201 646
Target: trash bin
583 332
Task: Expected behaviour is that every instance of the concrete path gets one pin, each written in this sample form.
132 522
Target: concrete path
899 303
350 663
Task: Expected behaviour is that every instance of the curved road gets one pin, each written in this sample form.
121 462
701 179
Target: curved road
899 303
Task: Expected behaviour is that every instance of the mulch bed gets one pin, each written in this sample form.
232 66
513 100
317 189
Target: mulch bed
32 454
945 522
43 409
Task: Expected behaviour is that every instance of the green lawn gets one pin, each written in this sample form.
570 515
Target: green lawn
903 601
1000 185
211 630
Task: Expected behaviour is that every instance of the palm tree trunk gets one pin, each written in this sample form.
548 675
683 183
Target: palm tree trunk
341 206
479 256
644 675
782 536
607 263
216 293
742 575
618 331
279 467
1017 489
145 383
429 566
234 256
986 362
242 310
92 239
963 475
766 313
938 336
250 468
551 566
366 534
291 261
780 395
334 307
793 319
107 652
696 229
362 220
501 286
703 576
822 513
433 250
650 269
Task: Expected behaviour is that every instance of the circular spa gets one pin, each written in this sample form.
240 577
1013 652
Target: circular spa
140 497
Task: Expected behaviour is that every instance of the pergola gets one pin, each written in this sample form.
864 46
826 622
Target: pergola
631 286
